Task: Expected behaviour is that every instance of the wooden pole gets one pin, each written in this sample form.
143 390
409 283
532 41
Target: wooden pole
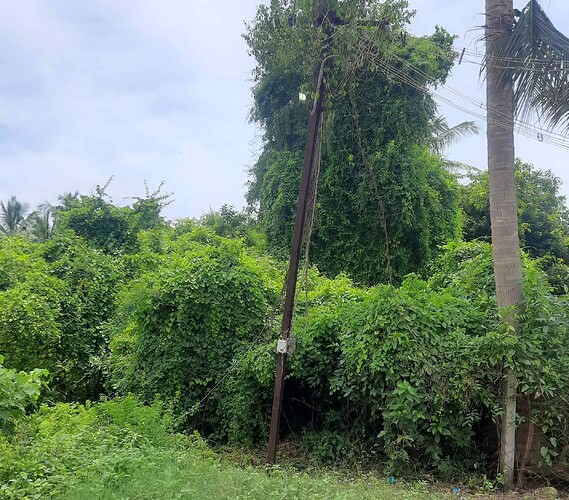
301 209
292 274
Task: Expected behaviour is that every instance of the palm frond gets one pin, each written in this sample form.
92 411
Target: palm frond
40 225
459 169
12 215
535 56
443 136
67 200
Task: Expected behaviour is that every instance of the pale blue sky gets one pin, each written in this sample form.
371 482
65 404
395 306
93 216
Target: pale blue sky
160 90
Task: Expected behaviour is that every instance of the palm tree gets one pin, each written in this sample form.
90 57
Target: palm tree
513 52
67 200
41 223
443 136
13 216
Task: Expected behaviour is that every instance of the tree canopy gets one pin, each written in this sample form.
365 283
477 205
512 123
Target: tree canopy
384 201
542 211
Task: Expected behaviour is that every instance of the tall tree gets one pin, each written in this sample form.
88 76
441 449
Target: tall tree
513 52
503 207
384 201
543 214
13 216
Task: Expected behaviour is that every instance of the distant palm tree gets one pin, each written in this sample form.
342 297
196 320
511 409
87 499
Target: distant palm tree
13 216
444 136
41 223
67 200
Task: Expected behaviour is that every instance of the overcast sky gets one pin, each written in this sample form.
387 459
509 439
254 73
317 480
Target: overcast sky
159 90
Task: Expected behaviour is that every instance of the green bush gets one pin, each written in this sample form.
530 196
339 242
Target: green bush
30 329
17 257
54 300
102 224
52 449
92 280
179 327
121 449
409 374
17 391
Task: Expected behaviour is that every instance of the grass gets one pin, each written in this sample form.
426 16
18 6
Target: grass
166 477
123 450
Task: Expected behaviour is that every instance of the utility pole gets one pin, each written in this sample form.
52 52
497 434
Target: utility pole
328 20
324 18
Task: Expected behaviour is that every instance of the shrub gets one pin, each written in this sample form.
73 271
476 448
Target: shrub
30 330
179 327
58 446
54 300
18 390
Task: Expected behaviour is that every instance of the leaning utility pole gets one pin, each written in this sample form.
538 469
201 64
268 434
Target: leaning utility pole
328 20
301 208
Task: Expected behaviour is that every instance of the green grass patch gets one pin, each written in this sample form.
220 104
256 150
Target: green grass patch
123 450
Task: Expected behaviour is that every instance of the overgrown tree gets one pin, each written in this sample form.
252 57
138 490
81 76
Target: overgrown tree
384 201
230 223
543 214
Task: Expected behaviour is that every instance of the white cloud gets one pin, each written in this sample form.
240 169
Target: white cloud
141 89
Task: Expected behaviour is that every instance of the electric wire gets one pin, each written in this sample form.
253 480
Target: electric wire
521 127
479 103
517 60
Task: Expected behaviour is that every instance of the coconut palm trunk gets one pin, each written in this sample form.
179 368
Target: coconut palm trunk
503 208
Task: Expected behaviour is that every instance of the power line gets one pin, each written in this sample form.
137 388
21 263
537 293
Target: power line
521 127
537 61
540 132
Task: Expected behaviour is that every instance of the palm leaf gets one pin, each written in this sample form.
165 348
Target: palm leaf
40 225
444 136
12 215
535 56
459 169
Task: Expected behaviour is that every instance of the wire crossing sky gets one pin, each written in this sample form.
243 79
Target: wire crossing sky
147 90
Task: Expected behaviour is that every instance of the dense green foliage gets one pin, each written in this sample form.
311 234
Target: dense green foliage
180 325
17 391
54 299
542 211
121 449
384 200
101 223
402 375
93 281
229 223
411 372
400 346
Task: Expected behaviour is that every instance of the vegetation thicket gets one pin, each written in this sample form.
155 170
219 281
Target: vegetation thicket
400 344
385 202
